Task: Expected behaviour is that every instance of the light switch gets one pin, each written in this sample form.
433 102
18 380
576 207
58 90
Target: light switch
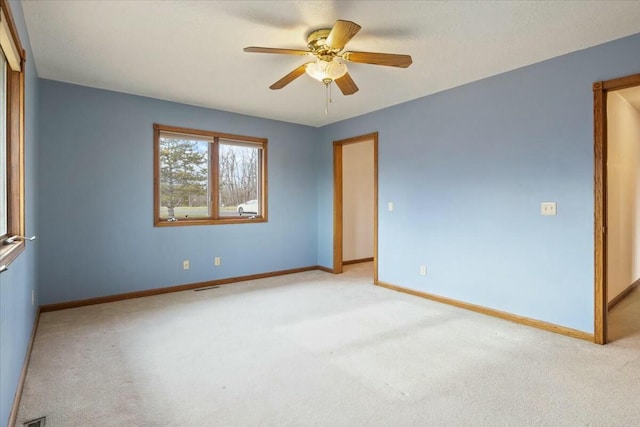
548 208
390 206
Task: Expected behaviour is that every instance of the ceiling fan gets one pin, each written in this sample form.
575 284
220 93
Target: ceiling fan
326 45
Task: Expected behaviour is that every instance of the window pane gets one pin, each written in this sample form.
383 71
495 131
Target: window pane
184 177
3 146
239 180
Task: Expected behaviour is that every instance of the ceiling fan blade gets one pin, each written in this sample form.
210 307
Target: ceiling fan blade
389 59
341 33
288 78
347 85
276 50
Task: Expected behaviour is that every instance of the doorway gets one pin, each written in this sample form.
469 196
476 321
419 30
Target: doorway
610 239
344 203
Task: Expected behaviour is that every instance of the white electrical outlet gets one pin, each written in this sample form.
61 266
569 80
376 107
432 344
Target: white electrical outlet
185 264
33 297
423 270
548 208
216 261
390 206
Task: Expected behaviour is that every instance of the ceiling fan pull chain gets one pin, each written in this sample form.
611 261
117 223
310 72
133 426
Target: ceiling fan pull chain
327 99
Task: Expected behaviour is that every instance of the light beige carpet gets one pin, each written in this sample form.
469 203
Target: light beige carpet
314 349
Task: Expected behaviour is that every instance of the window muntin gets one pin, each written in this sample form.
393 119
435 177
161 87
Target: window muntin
204 177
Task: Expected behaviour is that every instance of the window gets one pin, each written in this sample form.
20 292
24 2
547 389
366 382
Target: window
11 136
204 177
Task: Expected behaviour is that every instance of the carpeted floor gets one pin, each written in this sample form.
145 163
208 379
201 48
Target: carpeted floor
314 349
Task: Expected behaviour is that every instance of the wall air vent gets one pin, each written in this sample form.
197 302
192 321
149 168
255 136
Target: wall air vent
38 422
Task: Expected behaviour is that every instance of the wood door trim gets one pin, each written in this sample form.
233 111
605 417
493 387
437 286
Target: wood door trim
620 82
337 207
337 200
600 194
600 92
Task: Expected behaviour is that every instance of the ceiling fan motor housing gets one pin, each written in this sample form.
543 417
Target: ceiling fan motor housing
317 43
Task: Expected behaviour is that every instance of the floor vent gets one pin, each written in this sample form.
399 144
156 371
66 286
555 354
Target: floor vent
38 422
206 289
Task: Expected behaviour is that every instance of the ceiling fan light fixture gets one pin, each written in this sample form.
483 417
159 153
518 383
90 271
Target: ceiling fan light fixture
322 70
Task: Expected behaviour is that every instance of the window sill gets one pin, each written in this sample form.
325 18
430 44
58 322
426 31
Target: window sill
236 220
8 253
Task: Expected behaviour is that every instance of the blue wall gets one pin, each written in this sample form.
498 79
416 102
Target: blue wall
95 232
96 185
17 314
467 169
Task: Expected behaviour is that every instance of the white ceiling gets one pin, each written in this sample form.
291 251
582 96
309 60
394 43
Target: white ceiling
191 51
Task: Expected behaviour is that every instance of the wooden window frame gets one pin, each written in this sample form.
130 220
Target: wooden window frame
215 219
16 56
